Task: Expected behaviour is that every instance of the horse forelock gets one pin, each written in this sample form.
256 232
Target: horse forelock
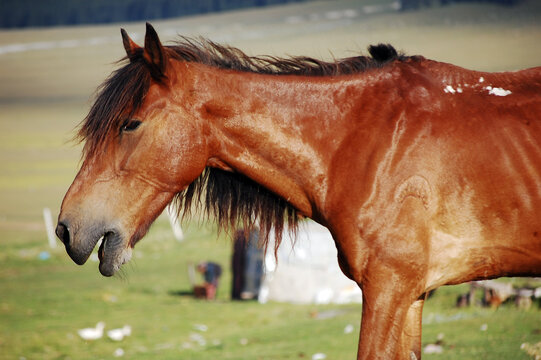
117 99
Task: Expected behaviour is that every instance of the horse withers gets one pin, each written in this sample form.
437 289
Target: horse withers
425 173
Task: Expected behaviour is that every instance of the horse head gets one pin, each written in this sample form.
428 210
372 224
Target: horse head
140 150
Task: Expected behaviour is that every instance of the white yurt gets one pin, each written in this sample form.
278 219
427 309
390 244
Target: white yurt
306 270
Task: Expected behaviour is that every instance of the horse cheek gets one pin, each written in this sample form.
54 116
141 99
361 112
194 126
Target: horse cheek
182 158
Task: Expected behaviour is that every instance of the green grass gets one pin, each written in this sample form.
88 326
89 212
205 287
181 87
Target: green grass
506 328
44 302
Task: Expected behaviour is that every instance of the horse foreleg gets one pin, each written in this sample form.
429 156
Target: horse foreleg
391 322
413 326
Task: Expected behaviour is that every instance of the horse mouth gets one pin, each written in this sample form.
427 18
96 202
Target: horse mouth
112 254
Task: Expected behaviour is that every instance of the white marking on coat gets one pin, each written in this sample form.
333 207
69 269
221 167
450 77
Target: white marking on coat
449 89
499 91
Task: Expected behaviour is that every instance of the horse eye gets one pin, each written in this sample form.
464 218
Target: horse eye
130 125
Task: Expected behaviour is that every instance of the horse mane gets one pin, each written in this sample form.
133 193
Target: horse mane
232 198
235 200
226 57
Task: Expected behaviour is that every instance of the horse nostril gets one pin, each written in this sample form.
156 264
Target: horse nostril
63 233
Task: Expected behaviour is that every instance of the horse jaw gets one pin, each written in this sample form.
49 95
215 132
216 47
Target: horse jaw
112 254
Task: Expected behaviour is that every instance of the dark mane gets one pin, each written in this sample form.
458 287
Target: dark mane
237 201
231 197
225 57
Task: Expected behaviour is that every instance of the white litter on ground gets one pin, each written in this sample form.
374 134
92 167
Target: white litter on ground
349 329
199 339
92 333
164 346
119 352
200 327
433 349
119 334
186 345
216 342
534 350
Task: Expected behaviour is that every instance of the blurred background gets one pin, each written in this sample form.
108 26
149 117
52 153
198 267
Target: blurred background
53 56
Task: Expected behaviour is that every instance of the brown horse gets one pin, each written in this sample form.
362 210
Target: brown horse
425 173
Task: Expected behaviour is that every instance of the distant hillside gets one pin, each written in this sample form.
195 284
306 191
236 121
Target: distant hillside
39 13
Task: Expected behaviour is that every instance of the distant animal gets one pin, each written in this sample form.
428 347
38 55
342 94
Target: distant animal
119 334
425 173
94 333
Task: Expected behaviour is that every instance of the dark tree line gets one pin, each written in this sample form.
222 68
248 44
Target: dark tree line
416 4
27 13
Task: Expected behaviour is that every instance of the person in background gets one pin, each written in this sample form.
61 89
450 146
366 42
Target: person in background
247 265
238 264
211 273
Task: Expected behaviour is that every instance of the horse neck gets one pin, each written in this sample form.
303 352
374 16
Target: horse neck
275 130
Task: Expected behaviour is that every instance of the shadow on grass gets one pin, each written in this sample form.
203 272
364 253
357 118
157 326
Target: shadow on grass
184 293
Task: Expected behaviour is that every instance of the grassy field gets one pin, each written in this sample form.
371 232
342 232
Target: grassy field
44 302
45 93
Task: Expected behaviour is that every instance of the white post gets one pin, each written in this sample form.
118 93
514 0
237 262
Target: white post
173 220
49 227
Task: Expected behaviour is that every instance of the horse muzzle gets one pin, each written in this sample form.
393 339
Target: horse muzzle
79 245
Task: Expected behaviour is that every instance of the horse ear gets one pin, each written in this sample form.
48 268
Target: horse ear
154 53
130 47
